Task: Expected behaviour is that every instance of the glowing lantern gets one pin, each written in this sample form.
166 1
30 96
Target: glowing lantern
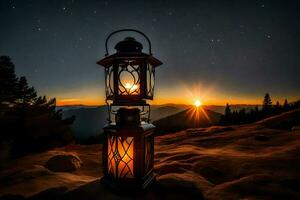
128 147
128 151
129 73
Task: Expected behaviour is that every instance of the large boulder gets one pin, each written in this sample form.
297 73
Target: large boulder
64 163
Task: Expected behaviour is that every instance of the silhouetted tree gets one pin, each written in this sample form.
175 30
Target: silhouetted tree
277 108
243 116
8 81
226 118
227 110
286 105
267 104
25 94
29 123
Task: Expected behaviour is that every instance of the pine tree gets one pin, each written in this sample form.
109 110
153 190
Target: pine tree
25 94
267 104
227 110
14 90
8 81
29 123
286 105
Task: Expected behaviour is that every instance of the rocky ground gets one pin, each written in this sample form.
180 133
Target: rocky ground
254 161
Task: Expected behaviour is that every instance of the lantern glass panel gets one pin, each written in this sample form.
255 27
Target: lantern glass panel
149 143
129 78
109 80
150 80
120 156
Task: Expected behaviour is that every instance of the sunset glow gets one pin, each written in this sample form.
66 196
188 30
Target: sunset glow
181 94
198 103
197 113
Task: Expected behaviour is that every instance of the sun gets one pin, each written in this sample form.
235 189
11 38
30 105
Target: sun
197 103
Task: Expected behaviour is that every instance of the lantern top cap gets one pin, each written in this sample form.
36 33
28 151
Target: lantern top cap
129 45
128 48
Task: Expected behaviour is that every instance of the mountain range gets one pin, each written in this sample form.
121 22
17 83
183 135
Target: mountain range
90 120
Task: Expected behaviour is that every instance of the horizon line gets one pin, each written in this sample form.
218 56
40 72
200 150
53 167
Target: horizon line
96 105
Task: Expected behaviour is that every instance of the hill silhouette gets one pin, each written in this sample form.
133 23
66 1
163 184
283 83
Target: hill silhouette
191 117
91 120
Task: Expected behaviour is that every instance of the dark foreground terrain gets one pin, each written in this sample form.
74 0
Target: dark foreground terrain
255 161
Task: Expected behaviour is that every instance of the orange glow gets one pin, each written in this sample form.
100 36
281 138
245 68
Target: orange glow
196 113
176 93
70 102
120 156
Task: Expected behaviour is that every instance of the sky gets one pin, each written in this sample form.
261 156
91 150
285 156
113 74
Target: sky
216 51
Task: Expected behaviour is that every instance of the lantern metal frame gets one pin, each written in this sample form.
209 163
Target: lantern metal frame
142 70
145 111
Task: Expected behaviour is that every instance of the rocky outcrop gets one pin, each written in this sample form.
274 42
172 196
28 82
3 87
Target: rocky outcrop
64 163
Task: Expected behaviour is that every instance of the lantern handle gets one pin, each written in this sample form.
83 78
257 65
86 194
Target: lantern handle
123 30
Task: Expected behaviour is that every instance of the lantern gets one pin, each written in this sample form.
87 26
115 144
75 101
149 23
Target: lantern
129 73
128 151
128 147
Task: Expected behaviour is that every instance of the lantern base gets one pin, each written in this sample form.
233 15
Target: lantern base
128 184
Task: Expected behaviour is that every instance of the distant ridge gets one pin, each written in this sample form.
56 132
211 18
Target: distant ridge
91 119
188 118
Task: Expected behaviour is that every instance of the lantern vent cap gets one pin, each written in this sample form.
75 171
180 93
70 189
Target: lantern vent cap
129 45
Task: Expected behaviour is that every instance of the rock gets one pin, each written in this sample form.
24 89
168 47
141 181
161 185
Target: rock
64 163
262 138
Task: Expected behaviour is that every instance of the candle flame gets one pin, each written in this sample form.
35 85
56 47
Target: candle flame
131 87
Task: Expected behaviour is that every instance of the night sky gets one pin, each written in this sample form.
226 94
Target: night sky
218 51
